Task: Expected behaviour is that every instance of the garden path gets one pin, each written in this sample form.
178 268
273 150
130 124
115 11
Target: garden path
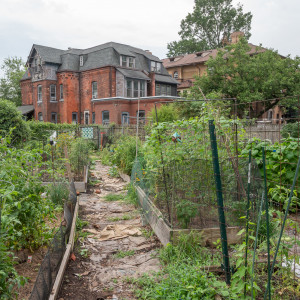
103 273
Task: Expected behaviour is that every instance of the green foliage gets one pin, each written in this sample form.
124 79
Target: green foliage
23 209
14 68
265 75
291 130
125 152
165 113
113 172
132 196
200 31
9 278
79 155
186 210
106 156
58 192
183 276
41 131
11 121
113 197
281 163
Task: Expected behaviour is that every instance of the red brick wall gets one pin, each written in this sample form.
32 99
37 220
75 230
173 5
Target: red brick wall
106 81
26 91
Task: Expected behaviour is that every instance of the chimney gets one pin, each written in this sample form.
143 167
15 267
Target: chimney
148 52
235 36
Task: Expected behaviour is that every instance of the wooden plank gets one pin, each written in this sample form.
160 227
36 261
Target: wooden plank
80 186
154 217
73 227
210 235
60 274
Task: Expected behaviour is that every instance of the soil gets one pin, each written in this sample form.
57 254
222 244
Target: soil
104 273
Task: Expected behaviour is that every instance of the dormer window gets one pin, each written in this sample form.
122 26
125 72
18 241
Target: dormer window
81 60
156 66
127 61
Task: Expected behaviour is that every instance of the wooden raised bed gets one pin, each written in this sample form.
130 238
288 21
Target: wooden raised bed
168 235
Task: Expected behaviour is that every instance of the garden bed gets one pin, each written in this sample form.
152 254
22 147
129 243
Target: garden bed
168 235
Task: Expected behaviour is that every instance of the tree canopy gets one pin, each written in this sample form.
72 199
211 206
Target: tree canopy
14 69
211 22
234 73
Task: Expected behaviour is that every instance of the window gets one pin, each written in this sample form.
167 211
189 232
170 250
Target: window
155 66
40 98
127 61
135 88
131 62
270 115
93 118
94 90
142 89
175 75
141 115
81 60
105 117
163 89
54 117
52 92
40 117
125 118
129 88
74 118
61 92
86 117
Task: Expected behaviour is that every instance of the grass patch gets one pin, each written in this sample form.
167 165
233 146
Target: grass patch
122 254
113 197
131 197
122 218
94 182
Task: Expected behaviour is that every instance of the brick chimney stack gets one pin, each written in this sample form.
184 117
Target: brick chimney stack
235 36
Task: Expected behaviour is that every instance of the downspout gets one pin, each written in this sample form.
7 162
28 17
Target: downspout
110 81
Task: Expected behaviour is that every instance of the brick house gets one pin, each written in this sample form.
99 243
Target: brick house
100 85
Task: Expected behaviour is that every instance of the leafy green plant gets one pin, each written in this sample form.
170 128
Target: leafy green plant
122 218
132 197
186 210
58 192
113 172
106 156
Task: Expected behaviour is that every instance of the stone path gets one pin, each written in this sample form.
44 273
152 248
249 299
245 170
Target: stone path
110 262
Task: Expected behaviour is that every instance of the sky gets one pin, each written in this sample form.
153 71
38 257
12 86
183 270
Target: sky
149 25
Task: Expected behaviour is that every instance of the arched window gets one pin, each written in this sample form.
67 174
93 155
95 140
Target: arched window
175 75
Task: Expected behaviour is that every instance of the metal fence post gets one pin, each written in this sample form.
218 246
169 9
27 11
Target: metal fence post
219 193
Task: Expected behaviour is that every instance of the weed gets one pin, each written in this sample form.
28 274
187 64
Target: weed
132 197
147 233
122 218
58 192
113 172
122 254
84 252
113 197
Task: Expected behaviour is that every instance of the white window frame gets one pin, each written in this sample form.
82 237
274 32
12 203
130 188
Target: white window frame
86 113
94 90
39 93
125 117
127 61
155 66
52 98
140 88
81 60
175 75
40 117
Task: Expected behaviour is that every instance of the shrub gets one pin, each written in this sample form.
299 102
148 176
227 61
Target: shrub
79 155
11 120
165 113
125 152
58 192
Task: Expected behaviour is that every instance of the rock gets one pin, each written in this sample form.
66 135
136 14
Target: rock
97 191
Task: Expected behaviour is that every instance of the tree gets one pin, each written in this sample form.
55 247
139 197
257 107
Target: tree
14 69
11 121
211 22
235 74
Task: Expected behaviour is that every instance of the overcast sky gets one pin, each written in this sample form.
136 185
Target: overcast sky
143 24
